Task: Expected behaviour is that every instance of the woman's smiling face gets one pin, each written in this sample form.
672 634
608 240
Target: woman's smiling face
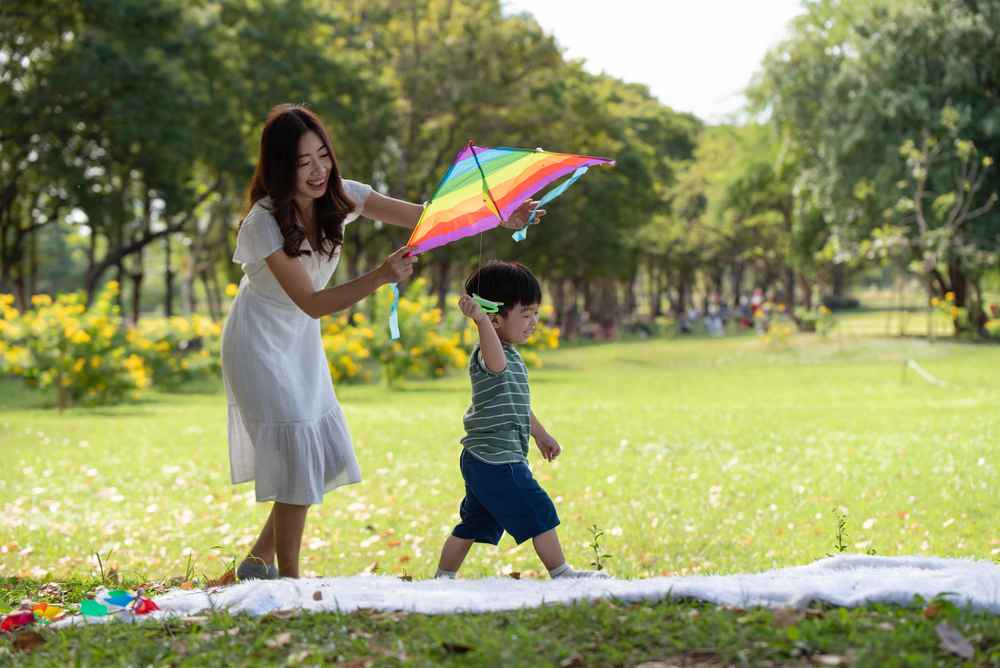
312 167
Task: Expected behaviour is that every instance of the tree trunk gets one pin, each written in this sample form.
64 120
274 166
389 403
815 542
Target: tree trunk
168 279
21 288
559 303
655 293
212 293
188 297
440 282
137 277
807 290
839 282
736 281
631 296
33 264
5 266
789 290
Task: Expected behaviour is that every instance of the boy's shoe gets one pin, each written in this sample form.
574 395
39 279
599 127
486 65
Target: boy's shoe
255 569
566 571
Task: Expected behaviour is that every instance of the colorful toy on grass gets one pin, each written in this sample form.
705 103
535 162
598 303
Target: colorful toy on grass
117 601
43 613
482 188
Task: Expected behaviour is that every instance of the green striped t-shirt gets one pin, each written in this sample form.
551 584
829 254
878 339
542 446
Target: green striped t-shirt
498 422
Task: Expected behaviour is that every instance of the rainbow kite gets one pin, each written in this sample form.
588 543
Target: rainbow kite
486 185
482 188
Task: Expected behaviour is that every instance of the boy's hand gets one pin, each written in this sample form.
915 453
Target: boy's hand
470 309
548 446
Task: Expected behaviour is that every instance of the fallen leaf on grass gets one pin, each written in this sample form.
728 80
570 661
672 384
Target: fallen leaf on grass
953 641
785 617
25 641
284 613
298 657
366 662
456 648
572 661
50 590
279 640
224 580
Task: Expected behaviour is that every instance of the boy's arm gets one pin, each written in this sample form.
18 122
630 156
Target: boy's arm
489 342
537 430
547 445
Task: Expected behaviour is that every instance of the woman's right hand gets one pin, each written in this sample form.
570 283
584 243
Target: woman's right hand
398 266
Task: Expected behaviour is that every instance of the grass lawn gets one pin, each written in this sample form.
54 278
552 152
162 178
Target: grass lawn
693 455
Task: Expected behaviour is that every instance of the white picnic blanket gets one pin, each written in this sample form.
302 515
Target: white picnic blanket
843 580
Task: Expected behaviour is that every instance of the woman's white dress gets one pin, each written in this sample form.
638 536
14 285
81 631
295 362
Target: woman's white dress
287 431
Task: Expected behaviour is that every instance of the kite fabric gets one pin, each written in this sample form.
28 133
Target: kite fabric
485 185
482 188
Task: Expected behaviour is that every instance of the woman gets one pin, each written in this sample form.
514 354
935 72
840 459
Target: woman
287 431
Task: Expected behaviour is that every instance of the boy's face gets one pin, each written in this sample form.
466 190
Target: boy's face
517 324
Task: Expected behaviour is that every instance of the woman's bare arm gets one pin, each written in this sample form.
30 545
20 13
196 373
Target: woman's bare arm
391 210
406 214
316 303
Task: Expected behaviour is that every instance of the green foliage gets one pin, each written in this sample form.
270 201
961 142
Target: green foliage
427 347
178 349
886 103
595 545
81 353
819 320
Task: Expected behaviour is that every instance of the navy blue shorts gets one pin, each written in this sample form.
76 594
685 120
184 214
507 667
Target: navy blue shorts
502 497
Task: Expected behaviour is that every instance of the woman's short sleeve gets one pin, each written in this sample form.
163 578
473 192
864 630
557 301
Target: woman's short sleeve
258 236
357 193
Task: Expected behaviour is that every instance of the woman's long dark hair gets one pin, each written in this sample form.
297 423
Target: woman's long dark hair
275 177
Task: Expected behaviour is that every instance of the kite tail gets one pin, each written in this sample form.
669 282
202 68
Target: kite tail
522 233
394 312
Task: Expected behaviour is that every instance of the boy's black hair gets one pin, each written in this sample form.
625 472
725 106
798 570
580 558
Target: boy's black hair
509 282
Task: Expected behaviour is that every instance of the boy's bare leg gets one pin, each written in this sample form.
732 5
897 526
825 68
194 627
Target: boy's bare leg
548 549
289 524
550 552
453 553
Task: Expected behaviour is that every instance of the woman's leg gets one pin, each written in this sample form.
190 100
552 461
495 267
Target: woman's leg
263 549
289 523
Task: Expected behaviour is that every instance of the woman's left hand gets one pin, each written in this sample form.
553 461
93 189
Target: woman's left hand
521 214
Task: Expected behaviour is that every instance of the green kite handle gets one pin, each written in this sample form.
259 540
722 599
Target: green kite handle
487 305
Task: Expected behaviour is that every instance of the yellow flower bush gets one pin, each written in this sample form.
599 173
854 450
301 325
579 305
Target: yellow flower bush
178 349
428 345
81 353
346 344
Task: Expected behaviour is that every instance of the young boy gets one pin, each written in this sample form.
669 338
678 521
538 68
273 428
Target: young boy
500 492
